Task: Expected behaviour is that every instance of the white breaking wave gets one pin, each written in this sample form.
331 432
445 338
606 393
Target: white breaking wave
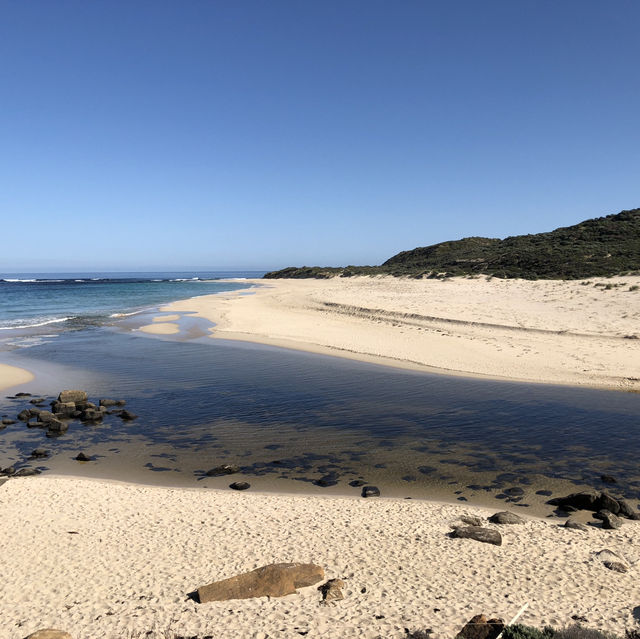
37 322
7 279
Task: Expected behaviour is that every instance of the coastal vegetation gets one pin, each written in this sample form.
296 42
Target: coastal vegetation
598 247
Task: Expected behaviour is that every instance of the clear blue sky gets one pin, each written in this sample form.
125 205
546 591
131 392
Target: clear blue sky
153 134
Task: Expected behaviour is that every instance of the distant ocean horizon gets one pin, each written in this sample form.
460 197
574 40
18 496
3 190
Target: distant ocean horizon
32 302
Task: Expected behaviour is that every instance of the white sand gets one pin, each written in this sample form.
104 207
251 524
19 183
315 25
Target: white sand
166 318
13 376
140 550
161 328
565 332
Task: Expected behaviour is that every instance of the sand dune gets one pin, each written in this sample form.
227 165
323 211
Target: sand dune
565 332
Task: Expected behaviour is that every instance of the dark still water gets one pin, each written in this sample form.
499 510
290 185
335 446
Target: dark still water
288 419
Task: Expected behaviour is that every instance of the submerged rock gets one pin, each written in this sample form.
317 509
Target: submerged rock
225 469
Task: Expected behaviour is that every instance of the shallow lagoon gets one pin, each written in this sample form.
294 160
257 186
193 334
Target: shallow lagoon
290 418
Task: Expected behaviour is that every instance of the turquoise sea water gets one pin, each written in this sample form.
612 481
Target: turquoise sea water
59 301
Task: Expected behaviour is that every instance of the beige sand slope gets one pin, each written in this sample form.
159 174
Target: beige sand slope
13 376
104 559
566 332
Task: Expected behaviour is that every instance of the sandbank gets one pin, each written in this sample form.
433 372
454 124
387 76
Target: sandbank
160 328
13 376
112 560
582 333
166 318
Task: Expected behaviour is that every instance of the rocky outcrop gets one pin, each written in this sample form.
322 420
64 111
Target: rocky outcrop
485 535
274 580
595 502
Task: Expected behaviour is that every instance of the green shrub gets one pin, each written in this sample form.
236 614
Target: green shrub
518 631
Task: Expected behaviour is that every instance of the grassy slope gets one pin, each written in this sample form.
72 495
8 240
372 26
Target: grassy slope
599 247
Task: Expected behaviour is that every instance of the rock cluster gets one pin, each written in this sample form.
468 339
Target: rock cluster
606 508
70 405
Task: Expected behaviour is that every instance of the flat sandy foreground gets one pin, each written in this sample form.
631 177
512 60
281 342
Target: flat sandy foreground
112 560
583 333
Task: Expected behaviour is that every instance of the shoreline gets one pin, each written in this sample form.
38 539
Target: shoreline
139 577
11 376
543 332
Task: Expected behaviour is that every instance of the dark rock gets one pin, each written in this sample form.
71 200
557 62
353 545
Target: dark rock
65 409
627 511
120 402
73 396
46 416
506 518
7 421
23 395
514 492
24 416
82 457
472 520
127 416
37 424
56 426
607 502
91 415
39 453
575 525
8 471
608 479
107 402
485 535
332 590
327 480
370 491
225 469
275 580
586 500
544 493
39 400
240 485
479 627
356 483
34 412
612 561
26 472
611 521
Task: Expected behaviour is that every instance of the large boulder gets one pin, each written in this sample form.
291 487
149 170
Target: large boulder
274 580
49 633
76 396
479 627
506 518
485 535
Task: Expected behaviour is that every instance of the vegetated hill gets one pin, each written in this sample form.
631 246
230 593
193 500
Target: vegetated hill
599 247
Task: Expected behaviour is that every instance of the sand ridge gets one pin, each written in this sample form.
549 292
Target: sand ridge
102 559
565 332
160 327
13 376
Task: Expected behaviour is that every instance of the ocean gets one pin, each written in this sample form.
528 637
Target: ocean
34 304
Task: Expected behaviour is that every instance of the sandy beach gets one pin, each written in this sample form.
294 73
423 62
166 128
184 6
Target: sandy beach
13 376
581 333
112 560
